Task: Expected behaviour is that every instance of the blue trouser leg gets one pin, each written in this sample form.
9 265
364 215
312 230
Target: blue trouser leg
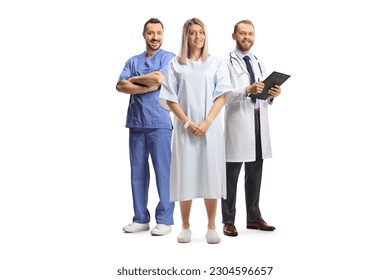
140 176
159 144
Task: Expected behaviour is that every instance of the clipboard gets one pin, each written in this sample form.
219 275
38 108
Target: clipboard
275 78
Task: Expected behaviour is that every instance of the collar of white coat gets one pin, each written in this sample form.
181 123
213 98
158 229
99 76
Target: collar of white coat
241 55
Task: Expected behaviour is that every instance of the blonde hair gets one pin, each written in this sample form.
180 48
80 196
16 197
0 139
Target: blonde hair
184 50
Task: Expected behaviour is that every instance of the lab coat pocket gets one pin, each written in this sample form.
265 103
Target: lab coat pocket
234 111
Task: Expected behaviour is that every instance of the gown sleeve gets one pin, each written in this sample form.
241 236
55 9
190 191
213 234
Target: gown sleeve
222 79
169 88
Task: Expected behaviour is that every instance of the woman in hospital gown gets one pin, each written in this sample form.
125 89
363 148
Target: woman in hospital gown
194 90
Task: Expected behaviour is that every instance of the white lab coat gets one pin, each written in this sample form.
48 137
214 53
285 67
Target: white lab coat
240 137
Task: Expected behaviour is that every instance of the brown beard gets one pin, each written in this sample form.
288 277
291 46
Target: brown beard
241 47
153 48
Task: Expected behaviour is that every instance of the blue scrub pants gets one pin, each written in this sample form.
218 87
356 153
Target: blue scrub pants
155 142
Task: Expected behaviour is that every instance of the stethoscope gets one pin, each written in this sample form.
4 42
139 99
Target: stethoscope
242 72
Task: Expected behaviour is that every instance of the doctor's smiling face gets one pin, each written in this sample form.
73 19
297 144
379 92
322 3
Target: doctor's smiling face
153 35
244 35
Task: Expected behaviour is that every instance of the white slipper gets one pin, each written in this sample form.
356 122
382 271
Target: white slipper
184 236
212 237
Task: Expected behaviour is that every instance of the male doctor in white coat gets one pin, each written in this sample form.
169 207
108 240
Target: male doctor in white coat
246 130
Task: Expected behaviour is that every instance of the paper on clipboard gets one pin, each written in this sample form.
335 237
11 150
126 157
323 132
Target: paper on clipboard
275 78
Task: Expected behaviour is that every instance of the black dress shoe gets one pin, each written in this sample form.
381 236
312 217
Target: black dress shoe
230 230
261 225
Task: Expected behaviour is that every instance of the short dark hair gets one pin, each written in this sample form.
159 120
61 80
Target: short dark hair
152 20
246 21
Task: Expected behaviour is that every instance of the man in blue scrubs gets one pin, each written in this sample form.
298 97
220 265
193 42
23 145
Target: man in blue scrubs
150 130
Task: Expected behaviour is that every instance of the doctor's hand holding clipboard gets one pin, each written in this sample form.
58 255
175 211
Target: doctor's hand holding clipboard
274 91
270 87
256 90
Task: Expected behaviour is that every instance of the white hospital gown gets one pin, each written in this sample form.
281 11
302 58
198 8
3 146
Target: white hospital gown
198 167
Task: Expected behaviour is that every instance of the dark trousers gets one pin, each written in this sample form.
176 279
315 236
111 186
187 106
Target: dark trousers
253 172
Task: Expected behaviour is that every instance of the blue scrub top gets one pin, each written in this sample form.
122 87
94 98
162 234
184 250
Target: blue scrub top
144 110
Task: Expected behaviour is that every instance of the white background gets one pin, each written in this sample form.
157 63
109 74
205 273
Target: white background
65 191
